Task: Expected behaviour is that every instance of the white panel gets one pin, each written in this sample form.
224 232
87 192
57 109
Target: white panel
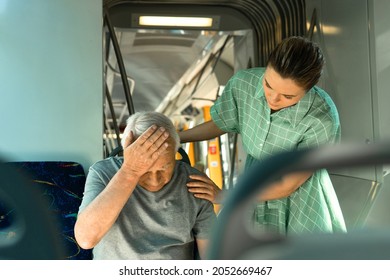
344 38
51 71
347 71
379 18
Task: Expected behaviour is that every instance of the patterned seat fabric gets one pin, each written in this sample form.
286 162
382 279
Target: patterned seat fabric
61 185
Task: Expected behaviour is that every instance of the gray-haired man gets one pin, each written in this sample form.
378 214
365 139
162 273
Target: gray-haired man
138 206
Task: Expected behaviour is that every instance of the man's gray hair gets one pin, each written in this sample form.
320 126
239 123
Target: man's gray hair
139 122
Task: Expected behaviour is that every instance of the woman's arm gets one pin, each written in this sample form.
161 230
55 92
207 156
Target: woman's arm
285 187
204 131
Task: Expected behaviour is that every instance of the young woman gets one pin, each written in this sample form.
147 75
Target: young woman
276 109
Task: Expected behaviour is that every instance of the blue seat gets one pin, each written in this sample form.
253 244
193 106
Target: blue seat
61 185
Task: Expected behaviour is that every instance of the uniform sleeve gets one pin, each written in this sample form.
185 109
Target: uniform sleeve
324 130
323 125
224 112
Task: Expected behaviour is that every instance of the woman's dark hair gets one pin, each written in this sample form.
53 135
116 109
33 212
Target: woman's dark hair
298 59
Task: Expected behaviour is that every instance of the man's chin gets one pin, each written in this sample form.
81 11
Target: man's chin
152 188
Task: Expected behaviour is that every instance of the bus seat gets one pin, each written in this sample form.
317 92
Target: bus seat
61 185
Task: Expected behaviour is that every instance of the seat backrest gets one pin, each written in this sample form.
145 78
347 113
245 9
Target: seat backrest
61 184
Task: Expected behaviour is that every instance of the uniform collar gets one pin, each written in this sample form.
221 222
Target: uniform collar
298 111
260 90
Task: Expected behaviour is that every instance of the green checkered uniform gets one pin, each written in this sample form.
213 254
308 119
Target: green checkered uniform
313 121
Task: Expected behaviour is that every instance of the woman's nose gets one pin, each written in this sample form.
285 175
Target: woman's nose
275 97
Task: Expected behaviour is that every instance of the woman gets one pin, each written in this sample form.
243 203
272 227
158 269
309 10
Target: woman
276 109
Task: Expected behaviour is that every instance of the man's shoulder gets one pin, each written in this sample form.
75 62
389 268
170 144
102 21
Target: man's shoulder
107 164
184 169
187 169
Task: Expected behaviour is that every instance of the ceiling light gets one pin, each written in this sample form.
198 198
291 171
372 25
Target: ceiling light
175 21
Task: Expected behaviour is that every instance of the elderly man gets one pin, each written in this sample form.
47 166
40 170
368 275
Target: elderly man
138 206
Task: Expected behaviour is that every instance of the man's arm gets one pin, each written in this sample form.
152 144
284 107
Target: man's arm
99 216
202 247
204 131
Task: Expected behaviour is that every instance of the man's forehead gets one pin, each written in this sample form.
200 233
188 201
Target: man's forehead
166 158
171 149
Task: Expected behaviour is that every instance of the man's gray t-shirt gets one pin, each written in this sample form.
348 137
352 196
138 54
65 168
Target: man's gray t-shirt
152 225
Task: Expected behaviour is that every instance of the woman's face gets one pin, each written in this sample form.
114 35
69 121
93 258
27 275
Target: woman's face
280 93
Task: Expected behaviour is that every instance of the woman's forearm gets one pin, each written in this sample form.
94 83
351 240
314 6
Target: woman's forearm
285 187
204 131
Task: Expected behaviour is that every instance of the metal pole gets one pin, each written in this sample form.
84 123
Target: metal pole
121 65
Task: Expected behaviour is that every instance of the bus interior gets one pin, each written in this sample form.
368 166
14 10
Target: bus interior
74 71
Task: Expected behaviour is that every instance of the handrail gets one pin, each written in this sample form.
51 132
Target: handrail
112 111
313 23
121 65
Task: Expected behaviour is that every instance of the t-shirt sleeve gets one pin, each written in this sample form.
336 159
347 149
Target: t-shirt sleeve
205 220
94 185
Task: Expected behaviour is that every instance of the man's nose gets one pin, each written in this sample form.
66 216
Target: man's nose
154 180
